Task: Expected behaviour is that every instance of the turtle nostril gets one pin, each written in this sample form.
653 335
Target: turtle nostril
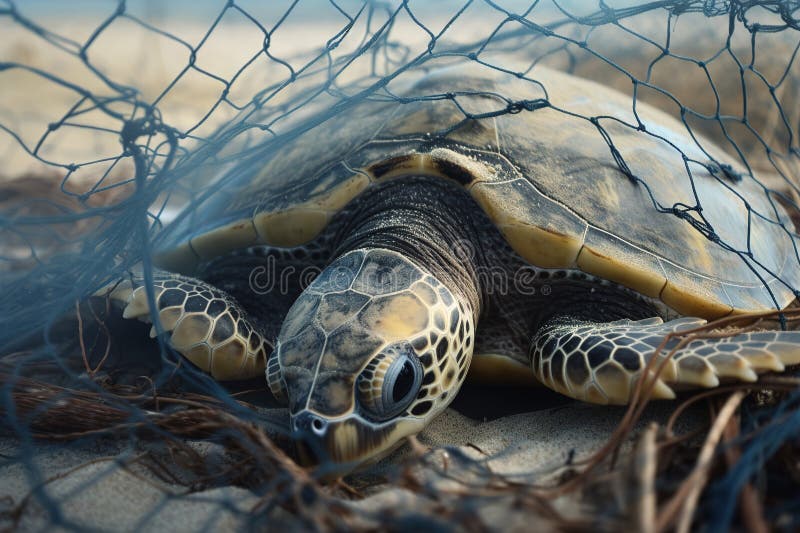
308 422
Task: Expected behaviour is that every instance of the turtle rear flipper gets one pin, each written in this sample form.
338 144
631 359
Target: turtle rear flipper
203 323
600 362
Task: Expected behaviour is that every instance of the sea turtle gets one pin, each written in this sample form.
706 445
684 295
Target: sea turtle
483 220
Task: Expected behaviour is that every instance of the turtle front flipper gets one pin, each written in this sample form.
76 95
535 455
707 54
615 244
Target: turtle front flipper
601 362
204 324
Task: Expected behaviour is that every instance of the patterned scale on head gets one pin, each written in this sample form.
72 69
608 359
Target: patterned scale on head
371 350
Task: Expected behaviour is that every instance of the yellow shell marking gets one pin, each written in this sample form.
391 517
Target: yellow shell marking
685 300
513 207
291 227
240 234
643 280
543 248
301 223
180 258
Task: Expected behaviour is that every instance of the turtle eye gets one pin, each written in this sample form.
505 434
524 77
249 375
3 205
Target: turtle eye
389 383
403 382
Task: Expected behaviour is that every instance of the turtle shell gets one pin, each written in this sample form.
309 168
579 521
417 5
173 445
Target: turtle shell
537 158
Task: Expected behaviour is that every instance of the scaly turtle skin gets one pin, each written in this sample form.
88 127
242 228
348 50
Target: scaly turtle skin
511 241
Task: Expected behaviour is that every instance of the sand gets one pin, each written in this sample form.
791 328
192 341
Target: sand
95 491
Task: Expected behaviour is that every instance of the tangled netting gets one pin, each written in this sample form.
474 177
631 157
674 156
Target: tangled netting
118 118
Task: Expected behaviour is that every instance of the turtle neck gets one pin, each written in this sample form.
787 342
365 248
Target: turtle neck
428 220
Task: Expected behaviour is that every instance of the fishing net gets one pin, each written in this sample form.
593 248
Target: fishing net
118 118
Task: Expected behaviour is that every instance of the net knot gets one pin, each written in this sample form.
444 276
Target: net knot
133 129
526 105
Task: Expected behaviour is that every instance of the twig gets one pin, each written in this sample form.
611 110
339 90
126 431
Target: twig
646 467
103 325
685 498
81 341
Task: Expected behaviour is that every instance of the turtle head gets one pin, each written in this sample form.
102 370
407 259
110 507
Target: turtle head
371 351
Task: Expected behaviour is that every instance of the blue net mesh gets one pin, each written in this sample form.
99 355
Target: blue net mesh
119 119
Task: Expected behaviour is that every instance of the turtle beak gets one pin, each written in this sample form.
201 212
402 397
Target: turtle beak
340 446
309 432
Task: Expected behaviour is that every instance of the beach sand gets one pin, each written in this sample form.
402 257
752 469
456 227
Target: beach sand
99 485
